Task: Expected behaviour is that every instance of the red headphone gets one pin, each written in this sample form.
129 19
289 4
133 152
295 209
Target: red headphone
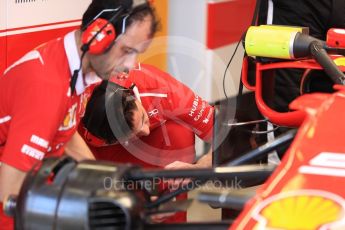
100 33
98 36
93 140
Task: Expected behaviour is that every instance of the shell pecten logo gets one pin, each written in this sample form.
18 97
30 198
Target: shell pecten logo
301 210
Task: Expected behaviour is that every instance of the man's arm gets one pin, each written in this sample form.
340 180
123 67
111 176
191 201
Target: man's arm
78 149
204 162
11 180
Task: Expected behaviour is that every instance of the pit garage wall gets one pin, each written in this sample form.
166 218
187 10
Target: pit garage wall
25 24
199 36
202 38
3 40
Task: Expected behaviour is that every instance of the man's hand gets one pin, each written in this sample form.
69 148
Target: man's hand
161 217
174 184
204 162
180 165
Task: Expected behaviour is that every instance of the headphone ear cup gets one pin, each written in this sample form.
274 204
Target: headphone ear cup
101 42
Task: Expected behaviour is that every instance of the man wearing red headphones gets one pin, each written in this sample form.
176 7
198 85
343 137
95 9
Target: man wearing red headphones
43 94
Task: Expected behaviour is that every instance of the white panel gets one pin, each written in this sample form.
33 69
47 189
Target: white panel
3 14
187 54
218 59
188 19
44 12
187 30
187 63
40 28
191 62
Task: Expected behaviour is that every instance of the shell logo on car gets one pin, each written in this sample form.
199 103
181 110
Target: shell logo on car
302 210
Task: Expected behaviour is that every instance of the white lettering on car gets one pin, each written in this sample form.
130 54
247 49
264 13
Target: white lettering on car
326 164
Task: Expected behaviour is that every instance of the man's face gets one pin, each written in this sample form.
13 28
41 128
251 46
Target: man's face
123 54
141 123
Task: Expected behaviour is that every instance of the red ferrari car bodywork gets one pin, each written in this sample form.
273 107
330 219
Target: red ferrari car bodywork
306 191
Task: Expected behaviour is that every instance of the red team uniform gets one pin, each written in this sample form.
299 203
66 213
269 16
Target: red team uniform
175 113
38 114
42 116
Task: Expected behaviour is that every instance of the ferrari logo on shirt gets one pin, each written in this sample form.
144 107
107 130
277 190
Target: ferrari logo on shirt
83 102
70 119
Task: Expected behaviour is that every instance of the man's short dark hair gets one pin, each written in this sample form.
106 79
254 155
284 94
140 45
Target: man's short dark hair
138 13
96 121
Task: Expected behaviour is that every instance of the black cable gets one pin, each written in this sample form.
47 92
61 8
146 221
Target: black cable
253 22
227 67
75 74
321 56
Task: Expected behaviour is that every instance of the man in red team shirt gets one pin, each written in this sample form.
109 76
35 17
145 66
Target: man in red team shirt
41 103
158 127
156 124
